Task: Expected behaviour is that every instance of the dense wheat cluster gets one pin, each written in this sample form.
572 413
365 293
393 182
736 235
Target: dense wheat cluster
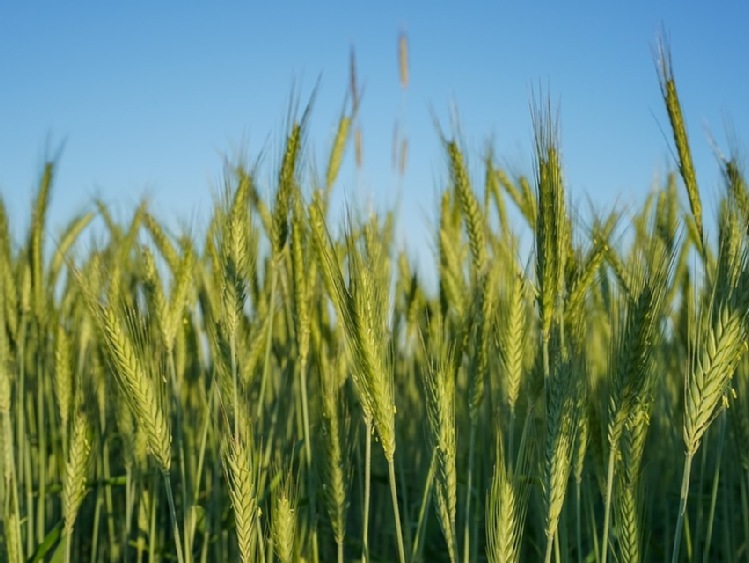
278 388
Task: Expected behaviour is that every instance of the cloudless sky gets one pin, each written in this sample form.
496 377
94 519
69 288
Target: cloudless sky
149 98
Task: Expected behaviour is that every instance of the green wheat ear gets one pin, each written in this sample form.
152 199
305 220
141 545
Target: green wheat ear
507 505
283 524
678 127
551 222
440 395
77 469
337 151
240 463
469 206
562 401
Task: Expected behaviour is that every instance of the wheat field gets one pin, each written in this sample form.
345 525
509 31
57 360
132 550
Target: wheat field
283 388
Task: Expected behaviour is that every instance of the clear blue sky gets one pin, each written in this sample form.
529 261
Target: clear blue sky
149 97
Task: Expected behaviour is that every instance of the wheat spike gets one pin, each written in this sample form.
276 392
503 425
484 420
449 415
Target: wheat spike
77 469
441 414
675 116
241 469
283 524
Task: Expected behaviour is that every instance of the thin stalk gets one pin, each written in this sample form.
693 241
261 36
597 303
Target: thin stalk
666 517
261 543
204 553
24 462
367 483
744 514
68 546
108 502
704 450
467 515
42 433
727 535
578 523
97 523
688 543
547 375
549 548
215 506
12 486
181 451
607 506
173 516
308 454
152 538
29 485
418 545
396 513
593 526
137 544
128 512
714 493
682 507
476 520
268 347
204 438
408 540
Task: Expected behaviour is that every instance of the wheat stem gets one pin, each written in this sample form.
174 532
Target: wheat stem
418 545
714 492
578 523
173 516
396 513
367 484
607 504
469 492
679 529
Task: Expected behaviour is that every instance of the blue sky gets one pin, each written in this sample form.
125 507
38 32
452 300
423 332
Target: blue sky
149 98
